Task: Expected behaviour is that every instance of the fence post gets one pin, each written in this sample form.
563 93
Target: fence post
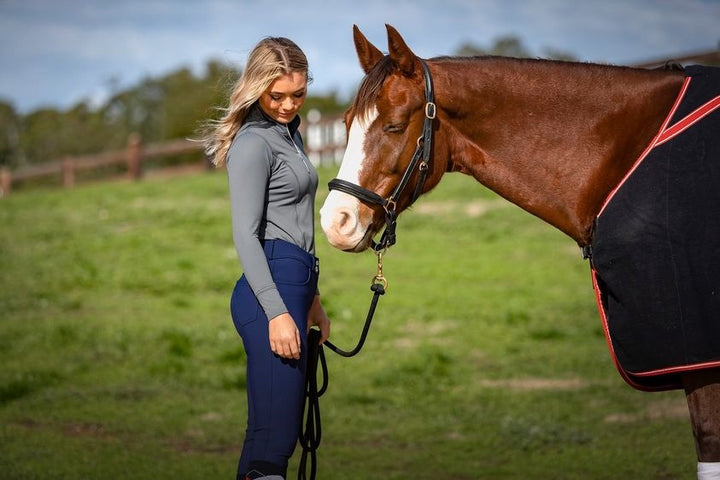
68 172
5 181
134 156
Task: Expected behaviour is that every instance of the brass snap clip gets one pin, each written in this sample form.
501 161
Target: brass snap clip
379 278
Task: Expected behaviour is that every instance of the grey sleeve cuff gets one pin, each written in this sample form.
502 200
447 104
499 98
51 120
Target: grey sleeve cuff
271 302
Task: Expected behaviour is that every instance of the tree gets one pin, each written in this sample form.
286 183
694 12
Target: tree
168 107
10 153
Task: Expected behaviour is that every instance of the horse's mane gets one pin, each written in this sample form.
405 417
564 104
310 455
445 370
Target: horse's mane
371 85
372 82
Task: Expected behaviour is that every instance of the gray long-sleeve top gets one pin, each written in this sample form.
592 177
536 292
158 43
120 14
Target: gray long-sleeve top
272 196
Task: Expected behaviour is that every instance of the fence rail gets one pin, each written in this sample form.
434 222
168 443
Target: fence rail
130 158
324 142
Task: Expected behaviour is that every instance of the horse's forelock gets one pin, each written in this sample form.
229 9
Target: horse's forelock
370 87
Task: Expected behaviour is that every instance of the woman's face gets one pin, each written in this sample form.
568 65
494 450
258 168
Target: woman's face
284 97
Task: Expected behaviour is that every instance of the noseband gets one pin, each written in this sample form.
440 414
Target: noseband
420 160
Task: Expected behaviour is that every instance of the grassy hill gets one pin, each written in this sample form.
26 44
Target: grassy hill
486 359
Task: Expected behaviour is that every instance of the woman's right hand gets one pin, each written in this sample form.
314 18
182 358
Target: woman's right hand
284 336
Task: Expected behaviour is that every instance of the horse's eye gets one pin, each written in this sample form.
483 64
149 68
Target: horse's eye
394 128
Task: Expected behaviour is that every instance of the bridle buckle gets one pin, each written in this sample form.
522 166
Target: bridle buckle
430 110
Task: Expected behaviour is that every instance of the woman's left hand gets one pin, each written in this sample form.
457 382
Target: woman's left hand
317 317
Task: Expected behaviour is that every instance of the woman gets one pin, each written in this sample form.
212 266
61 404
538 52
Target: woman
272 195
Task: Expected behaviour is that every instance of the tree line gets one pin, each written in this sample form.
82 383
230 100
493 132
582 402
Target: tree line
168 107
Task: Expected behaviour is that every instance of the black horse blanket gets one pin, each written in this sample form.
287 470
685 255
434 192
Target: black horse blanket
656 246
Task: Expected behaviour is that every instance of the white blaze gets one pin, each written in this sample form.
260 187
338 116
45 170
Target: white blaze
339 214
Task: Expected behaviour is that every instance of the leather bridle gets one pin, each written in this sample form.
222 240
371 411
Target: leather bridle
419 160
311 433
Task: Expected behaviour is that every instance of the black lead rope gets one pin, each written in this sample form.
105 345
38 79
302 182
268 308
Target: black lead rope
379 289
311 433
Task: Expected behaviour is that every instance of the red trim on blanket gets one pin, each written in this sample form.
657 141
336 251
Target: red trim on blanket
628 376
652 144
685 368
667 133
689 120
606 330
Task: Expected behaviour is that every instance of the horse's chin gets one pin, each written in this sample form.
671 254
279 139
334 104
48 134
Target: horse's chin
364 242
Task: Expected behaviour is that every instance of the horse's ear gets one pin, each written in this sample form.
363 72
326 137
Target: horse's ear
406 60
367 53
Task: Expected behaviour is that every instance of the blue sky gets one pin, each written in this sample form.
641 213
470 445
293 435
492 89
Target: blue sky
58 52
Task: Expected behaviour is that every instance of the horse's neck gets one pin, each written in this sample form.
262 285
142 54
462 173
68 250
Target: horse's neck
551 137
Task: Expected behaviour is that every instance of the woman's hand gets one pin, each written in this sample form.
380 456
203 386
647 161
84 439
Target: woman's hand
284 336
317 317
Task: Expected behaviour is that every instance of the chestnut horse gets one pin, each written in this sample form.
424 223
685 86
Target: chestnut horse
555 138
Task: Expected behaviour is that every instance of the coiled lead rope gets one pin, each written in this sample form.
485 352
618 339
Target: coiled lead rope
311 434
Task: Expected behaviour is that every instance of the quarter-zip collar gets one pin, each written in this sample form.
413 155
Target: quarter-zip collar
258 116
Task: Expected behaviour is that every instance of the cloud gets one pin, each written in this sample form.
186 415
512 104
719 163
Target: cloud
58 52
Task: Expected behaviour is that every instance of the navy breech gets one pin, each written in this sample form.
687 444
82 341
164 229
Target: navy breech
275 386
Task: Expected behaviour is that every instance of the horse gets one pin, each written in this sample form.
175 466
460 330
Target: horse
561 140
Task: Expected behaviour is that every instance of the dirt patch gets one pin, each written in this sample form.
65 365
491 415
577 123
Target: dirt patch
532 384
70 429
673 409
85 429
417 331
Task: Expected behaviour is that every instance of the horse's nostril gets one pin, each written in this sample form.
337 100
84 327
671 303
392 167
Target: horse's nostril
346 222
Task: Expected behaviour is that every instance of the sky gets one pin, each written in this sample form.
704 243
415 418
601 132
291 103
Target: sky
56 53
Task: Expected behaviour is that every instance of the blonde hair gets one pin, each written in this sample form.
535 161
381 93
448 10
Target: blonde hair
271 58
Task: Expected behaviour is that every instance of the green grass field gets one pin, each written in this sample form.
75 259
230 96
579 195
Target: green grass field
486 359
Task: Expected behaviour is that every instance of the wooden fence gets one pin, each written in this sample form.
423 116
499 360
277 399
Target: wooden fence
324 142
131 159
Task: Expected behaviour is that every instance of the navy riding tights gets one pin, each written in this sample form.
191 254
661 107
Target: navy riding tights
275 386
